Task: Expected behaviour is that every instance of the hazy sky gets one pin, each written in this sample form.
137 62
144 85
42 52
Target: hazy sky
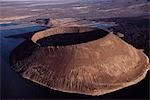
65 1
39 0
50 0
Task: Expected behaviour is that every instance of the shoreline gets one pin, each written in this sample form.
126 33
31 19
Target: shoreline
7 19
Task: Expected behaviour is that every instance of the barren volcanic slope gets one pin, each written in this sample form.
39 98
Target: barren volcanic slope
82 60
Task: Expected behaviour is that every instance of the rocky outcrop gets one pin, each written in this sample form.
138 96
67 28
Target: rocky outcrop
82 60
41 21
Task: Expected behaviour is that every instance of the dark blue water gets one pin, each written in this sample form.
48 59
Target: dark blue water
8 32
102 25
12 85
8 24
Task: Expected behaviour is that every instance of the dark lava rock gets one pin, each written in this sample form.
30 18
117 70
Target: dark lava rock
41 21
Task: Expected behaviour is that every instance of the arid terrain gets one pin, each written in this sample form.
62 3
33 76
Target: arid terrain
20 20
75 9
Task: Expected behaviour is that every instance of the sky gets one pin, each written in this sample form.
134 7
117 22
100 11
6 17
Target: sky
48 0
39 0
42 0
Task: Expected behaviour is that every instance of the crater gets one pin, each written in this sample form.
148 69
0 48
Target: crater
68 36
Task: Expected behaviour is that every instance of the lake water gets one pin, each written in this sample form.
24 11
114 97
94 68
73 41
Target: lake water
12 85
102 25
8 24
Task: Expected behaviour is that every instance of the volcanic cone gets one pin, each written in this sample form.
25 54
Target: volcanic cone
81 60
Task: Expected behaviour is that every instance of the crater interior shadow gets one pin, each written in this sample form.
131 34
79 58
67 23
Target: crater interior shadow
71 38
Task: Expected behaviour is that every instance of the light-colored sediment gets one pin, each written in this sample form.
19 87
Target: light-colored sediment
14 18
69 22
75 22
